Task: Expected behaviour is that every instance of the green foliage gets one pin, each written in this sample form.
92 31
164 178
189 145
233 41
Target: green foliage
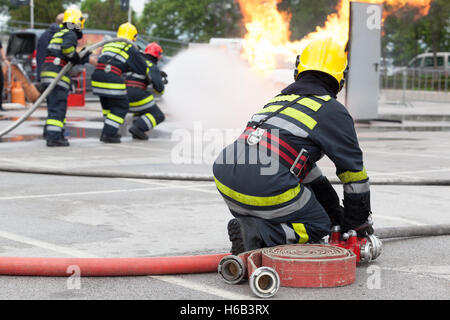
192 20
106 14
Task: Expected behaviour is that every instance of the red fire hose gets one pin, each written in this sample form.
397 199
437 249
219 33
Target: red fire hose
102 267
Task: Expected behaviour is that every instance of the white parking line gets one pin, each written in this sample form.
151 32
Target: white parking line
192 186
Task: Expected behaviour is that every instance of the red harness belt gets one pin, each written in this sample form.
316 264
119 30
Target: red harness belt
109 68
300 164
60 63
136 84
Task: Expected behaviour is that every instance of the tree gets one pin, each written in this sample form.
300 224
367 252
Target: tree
44 11
106 14
192 20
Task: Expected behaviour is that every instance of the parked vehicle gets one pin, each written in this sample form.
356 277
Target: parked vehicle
426 61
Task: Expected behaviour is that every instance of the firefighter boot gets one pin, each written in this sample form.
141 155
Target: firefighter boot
244 235
138 133
110 139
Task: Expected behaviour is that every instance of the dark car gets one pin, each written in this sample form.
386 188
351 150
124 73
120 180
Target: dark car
22 46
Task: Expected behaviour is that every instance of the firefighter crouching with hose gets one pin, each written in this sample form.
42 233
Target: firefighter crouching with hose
61 50
283 197
147 114
116 59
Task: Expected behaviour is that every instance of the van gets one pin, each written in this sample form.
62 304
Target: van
426 61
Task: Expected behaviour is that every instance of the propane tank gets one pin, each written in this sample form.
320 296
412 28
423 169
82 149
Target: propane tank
17 93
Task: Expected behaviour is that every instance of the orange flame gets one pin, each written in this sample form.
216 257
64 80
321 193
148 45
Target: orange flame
267 40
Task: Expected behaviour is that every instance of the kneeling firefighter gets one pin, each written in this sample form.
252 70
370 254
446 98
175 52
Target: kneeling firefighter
146 113
61 50
268 176
116 59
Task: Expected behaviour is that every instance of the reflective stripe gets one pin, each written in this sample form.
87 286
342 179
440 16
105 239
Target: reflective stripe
54 46
68 50
115 118
289 97
112 123
324 98
145 106
314 174
56 123
53 128
115 56
105 112
49 74
357 187
282 124
118 51
289 232
57 40
142 102
300 229
258 201
60 83
107 85
293 113
137 76
109 92
152 119
351 176
274 213
310 103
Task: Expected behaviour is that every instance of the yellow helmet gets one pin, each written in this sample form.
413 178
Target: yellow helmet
127 31
323 55
74 17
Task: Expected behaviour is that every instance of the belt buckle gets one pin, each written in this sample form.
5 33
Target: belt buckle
57 61
255 137
107 68
305 153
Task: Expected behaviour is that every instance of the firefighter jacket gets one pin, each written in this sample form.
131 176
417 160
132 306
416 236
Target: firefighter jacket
61 50
139 95
115 60
262 180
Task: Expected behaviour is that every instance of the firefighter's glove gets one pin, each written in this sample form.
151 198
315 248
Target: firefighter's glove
75 59
356 217
164 77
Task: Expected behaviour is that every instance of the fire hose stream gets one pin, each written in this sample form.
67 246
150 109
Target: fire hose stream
52 85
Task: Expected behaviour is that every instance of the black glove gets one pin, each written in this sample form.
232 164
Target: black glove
75 58
164 77
356 216
328 198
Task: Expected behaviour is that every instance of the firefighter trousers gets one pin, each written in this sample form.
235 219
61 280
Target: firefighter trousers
114 111
57 109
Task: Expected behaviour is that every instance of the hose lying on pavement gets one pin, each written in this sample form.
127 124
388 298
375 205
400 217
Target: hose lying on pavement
52 85
193 177
103 267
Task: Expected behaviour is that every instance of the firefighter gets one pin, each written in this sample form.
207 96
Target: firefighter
61 49
269 178
116 59
146 113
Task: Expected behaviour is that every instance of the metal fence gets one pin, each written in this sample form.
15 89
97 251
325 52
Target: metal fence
416 84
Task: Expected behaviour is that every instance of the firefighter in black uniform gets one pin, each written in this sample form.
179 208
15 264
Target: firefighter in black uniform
116 59
268 176
61 50
146 113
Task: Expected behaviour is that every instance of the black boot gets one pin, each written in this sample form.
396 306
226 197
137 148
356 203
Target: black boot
58 143
110 139
138 133
236 236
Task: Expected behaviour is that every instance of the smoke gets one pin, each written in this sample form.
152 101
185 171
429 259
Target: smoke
213 86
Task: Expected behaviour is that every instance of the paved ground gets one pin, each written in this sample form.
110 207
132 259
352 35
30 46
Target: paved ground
70 216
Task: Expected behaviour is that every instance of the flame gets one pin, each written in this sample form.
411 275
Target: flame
267 40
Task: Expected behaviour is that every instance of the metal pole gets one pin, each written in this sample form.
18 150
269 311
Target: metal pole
129 11
32 14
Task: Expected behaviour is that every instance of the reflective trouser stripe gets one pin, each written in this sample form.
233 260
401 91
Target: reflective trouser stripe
149 120
255 200
110 92
272 213
56 123
142 102
107 85
352 176
53 75
105 112
357 187
292 113
115 118
289 233
61 83
300 229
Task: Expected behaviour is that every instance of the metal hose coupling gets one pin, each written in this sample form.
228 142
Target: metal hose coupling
232 269
371 249
264 282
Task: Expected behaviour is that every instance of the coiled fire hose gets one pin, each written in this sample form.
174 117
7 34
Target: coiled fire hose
53 84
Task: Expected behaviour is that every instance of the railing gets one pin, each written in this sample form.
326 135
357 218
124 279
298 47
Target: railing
427 84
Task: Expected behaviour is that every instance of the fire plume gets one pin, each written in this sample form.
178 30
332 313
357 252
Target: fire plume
267 40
